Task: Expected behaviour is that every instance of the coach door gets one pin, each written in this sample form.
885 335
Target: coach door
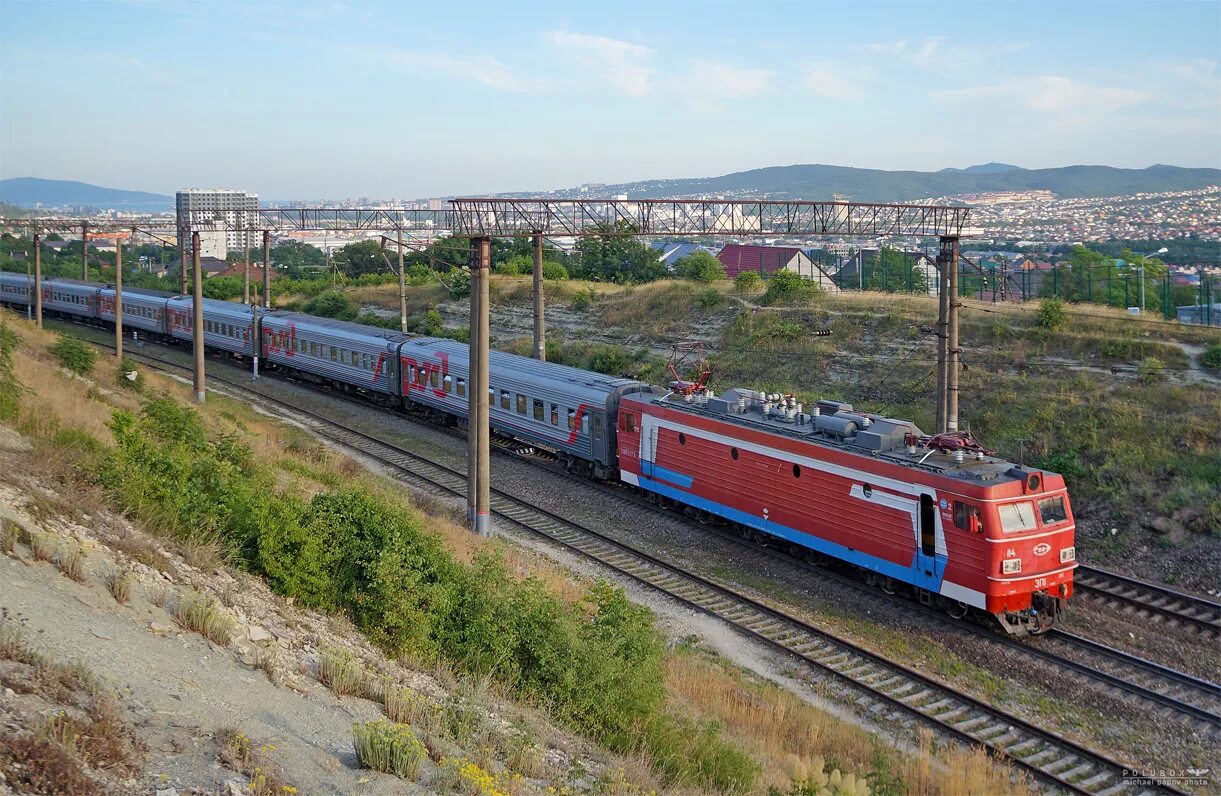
926 555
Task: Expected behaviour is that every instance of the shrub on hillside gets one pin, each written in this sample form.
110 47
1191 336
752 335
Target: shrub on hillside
74 354
10 389
554 271
1211 358
332 304
459 283
700 266
786 286
1052 314
747 282
583 299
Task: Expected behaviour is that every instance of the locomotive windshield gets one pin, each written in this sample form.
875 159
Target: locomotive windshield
1051 510
1016 517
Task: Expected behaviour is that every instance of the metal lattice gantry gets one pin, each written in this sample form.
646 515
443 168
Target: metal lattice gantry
316 219
495 217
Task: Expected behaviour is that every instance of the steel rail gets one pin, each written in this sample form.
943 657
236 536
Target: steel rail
1169 604
1045 755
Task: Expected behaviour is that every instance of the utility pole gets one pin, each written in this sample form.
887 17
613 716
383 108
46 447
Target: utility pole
267 269
540 343
949 252
478 473
246 268
37 297
85 251
182 261
118 297
197 322
402 284
942 338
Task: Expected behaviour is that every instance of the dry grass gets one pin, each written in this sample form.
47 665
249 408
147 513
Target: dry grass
120 584
71 558
143 550
342 673
203 615
239 753
42 546
787 734
10 535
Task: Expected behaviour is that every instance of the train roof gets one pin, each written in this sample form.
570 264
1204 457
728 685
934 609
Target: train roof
526 368
838 425
342 327
142 291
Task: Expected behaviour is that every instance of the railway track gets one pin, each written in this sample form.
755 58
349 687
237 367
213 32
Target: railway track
877 684
1174 608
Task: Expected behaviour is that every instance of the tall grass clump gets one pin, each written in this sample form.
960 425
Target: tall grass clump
390 748
75 354
10 388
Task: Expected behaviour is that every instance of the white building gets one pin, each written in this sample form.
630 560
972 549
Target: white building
225 208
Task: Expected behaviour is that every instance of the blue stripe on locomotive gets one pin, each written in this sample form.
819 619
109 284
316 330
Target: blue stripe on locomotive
325 347
588 395
227 326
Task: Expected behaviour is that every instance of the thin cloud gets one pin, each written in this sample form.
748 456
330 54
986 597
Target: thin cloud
1065 99
705 85
483 69
620 64
832 83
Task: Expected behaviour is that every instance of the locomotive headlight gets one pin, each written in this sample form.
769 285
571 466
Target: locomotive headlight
1068 554
1011 565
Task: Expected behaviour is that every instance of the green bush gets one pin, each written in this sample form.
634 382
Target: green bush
10 389
554 271
709 298
583 299
459 283
515 266
700 266
1052 314
786 286
390 748
332 304
1211 358
127 367
611 360
75 354
1151 370
747 282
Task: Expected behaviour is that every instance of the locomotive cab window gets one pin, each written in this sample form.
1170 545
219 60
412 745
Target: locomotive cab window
1051 510
1017 517
967 517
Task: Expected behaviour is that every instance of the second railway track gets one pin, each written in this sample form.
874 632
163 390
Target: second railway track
883 685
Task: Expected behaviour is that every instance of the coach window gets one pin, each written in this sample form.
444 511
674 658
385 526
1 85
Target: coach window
461 388
436 378
597 422
538 411
504 399
584 424
572 419
449 384
521 404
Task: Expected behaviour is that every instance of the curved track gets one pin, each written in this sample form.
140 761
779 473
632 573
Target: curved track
882 685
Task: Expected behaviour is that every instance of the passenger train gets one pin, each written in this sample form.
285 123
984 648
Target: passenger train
956 526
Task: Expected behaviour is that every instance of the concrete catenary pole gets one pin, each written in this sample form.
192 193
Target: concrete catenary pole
246 268
182 261
267 268
85 251
197 321
483 502
942 339
38 280
540 342
118 298
474 388
402 285
951 413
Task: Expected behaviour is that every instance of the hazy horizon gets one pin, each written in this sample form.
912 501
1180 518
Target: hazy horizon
330 99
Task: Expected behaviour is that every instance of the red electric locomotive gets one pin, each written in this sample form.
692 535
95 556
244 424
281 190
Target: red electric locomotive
961 528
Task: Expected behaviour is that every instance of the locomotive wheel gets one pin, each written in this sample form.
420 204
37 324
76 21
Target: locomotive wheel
886 585
956 609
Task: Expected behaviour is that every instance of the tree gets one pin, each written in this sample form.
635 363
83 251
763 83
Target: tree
747 282
787 286
357 259
700 266
516 265
295 257
616 256
554 270
891 271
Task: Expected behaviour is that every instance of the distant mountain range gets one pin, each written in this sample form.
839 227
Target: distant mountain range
31 191
814 181
820 182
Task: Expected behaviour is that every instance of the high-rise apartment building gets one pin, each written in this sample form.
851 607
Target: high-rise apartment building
222 208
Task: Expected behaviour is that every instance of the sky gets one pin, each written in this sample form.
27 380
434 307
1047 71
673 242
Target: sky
312 99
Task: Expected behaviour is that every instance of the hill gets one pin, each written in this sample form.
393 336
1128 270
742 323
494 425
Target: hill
816 181
32 191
